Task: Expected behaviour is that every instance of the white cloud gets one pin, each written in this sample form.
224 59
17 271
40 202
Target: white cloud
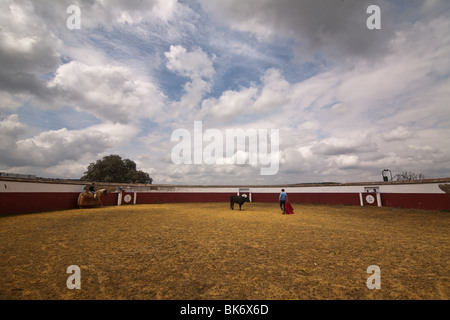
231 104
399 133
275 92
356 118
346 161
137 70
272 94
334 29
56 146
27 43
194 64
10 102
10 130
109 13
28 49
111 93
354 143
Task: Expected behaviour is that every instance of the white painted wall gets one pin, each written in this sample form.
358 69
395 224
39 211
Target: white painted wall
19 186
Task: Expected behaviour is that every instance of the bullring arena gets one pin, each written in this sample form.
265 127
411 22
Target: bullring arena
178 247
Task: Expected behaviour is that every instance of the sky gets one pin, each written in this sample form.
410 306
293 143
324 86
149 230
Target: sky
340 97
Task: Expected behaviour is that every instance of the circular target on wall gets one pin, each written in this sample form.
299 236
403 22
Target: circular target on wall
370 199
127 198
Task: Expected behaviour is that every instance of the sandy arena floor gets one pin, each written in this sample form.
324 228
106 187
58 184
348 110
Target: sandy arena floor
206 251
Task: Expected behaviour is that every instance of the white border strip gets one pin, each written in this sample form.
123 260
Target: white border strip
432 188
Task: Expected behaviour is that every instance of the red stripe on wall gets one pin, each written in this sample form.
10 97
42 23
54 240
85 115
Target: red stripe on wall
26 202
181 197
12 203
110 199
426 201
15 203
320 198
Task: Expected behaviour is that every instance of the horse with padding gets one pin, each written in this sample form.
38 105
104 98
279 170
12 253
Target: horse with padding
90 200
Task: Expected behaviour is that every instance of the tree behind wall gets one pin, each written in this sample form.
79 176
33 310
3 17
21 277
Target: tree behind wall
405 176
113 169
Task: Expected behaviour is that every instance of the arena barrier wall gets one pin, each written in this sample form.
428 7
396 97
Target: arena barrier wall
21 196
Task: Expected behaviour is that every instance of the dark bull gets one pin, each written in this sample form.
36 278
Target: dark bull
239 200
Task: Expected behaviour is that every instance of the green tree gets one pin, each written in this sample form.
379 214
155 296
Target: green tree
113 169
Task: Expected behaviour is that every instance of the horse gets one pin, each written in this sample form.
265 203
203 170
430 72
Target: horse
87 199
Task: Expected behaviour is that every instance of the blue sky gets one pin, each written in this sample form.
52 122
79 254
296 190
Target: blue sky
348 101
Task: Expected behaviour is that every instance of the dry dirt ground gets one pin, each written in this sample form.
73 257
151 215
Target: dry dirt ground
208 252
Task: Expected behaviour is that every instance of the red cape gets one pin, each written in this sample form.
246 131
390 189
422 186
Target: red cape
289 209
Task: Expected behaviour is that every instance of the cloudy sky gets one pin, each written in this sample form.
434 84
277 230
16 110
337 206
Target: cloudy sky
347 101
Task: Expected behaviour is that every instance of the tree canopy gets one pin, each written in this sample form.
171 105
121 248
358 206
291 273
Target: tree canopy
113 169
